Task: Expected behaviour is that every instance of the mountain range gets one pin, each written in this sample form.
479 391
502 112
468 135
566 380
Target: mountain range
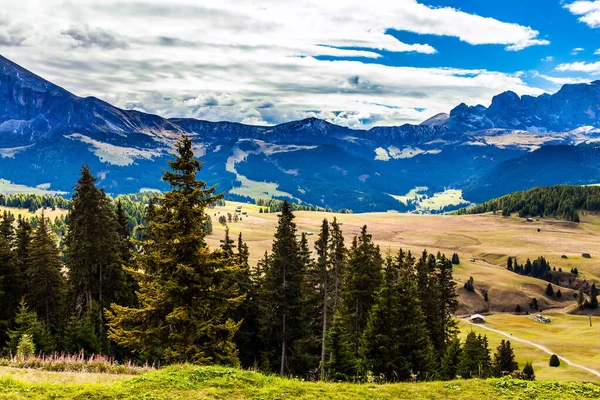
471 154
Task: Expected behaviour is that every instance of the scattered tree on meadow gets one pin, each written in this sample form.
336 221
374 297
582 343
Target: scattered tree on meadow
475 359
554 361
504 359
528 373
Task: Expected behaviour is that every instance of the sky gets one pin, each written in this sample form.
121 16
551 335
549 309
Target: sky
355 63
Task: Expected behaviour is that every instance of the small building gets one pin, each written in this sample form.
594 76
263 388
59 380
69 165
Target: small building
477 319
309 233
529 219
542 319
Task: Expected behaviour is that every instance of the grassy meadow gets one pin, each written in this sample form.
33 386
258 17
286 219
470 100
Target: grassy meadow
189 382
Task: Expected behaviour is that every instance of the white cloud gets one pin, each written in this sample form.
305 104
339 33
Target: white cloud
597 52
589 12
561 80
259 61
577 50
12 33
591 68
548 59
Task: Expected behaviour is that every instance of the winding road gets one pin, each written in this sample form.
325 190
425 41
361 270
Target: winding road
538 346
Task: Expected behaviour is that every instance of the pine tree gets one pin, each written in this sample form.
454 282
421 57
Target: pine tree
554 361
509 264
395 342
504 359
341 363
363 281
93 250
281 297
79 335
447 305
248 281
322 246
46 292
528 373
455 259
475 359
10 276
337 255
186 291
451 359
549 290
21 252
27 322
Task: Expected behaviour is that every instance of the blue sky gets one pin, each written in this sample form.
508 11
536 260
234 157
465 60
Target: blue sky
351 62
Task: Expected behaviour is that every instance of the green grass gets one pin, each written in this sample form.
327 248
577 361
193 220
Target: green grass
189 382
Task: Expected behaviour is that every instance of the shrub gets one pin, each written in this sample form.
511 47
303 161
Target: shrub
528 373
554 361
518 308
26 347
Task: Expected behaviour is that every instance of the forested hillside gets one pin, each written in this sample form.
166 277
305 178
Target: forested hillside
561 201
349 313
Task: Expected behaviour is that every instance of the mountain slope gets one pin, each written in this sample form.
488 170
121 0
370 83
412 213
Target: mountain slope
46 133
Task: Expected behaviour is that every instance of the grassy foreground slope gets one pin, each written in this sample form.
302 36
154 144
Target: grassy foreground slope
189 382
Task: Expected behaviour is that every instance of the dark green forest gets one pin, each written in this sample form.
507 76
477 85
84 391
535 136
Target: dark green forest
561 201
340 311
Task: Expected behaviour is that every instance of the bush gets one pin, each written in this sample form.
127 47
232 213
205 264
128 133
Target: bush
518 309
528 373
554 361
26 347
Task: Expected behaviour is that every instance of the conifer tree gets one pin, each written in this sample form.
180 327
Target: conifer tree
27 322
447 300
337 254
323 261
281 297
504 359
528 373
395 342
363 281
10 276
451 359
21 251
80 335
341 363
93 251
46 292
475 359
186 291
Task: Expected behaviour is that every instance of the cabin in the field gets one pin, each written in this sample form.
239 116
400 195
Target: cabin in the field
477 319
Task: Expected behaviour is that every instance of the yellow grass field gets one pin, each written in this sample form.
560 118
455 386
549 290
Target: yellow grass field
483 242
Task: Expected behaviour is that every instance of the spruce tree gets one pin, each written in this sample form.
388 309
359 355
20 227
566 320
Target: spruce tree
447 305
186 291
341 363
395 342
362 283
281 297
504 359
10 276
27 322
322 264
475 359
593 297
337 260
451 359
528 373
93 249
46 292
21 251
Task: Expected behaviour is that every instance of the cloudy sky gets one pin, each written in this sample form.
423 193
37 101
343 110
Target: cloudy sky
354 62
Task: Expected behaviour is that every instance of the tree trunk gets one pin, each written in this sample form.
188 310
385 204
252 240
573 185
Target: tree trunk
324 331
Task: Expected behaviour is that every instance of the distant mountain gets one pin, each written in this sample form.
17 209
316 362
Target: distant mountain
47 133
571 107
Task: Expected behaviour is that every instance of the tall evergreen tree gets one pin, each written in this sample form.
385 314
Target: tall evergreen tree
186 291
21 251
363 281
337 260
451 359
281 299
447 304
322 247
10 276
504 359
27 322
341 364
475 359
395 342
46 292
93 250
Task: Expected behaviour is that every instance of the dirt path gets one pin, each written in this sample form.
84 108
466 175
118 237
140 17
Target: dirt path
538 346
